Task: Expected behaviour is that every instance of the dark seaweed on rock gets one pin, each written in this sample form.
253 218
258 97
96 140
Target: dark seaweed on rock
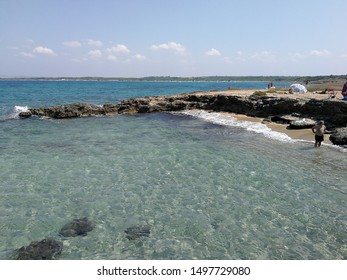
45 249
77 227
136 232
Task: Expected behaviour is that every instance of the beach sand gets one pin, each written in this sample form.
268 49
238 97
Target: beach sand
298 134
278 93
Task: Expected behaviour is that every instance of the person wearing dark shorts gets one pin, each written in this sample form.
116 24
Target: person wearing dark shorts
319 129
319 138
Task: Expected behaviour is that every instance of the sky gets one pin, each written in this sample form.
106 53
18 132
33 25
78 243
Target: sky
187 38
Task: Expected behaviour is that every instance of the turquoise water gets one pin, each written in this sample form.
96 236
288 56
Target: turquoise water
209 187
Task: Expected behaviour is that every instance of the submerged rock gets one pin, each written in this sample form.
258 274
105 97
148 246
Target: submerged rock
136 232
77 227
45 249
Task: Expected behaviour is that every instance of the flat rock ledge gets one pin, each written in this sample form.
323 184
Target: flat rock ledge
285 109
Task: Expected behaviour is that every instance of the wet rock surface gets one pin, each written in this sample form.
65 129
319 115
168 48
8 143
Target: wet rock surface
339 136
77 227
45 249
69 111
261 106
302 124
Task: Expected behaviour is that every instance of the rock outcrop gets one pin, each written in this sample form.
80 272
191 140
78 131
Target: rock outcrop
274 107
77 227
302 123
45 249
65 111
339 136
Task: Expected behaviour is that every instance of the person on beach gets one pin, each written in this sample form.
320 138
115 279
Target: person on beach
331 92
344 91
319 130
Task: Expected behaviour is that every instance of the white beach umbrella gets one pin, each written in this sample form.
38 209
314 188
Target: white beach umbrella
298 88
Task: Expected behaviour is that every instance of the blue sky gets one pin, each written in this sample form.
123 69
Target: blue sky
133 38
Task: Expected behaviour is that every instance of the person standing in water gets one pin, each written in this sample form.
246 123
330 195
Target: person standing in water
319 129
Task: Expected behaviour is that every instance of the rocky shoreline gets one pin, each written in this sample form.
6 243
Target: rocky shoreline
298 111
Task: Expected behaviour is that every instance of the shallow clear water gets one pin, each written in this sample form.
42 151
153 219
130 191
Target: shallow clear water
208 191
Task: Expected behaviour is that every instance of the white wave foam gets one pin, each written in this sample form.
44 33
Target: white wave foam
219 119
20 109
15 113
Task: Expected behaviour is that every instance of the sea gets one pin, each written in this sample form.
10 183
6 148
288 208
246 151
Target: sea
208 186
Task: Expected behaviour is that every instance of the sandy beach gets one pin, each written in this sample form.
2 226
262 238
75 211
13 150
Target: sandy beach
279 93
299 134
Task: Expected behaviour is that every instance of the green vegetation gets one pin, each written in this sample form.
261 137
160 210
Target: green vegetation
258 93
272 90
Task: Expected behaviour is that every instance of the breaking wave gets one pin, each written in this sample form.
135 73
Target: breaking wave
15 113
219 119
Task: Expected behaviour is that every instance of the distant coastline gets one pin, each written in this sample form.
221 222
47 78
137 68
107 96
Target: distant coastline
301 79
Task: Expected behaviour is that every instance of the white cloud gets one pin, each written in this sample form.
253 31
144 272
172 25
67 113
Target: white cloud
320 53
213 52
112 58
26 54
139 57
178 48
119 49
95 43
72 44
95 54
43 50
